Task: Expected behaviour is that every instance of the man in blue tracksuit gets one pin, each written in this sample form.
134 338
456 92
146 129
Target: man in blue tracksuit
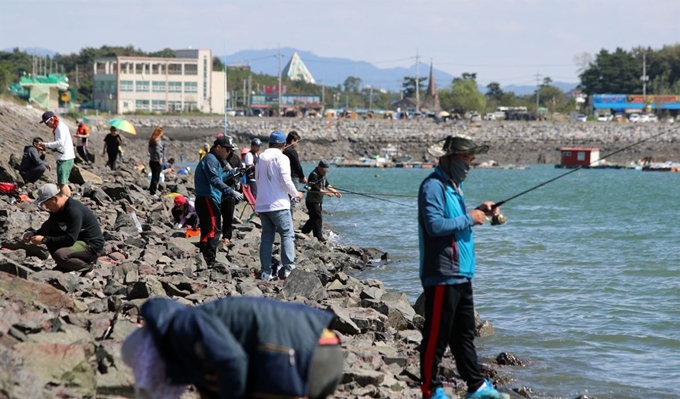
210 187
235 348
447 266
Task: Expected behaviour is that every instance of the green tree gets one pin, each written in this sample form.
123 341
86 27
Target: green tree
408 86
462 96
352 84
494 91
617 72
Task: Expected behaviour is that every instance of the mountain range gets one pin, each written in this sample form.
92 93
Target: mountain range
332 71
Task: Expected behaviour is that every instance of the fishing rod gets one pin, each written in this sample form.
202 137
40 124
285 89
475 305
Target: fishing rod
371 196
497 204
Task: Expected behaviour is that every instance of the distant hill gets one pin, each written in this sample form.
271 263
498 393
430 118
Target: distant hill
37 51
332 71
524 90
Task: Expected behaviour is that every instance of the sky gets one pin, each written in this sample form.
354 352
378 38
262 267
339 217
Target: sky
508 41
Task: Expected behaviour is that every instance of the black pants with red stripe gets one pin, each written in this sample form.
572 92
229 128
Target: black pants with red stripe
449 320
210 222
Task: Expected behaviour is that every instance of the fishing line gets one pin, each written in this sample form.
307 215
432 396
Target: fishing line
376 194
373 197
497 204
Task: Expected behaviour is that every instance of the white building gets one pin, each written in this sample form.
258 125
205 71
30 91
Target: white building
186 83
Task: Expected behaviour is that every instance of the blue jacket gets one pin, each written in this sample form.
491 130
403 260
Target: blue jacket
447 249
209 179
237 347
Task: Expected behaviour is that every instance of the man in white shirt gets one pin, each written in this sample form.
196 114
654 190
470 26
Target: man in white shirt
63 149
274 186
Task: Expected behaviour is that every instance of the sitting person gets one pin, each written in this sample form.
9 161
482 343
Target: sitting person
33 164
234 347
184 213
72 233
168 166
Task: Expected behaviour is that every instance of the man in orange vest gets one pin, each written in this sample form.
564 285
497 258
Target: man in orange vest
82 136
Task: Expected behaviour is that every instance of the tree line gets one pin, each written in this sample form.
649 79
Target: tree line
617 72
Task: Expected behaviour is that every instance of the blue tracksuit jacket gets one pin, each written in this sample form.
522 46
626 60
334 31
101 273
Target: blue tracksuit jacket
447 252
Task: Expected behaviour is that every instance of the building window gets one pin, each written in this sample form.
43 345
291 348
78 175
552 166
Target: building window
174 69
142 104
175 87
174 106
190 106
158 105
125 104
566 154
141 86
191 87
191 69
126 85
158 87
581 156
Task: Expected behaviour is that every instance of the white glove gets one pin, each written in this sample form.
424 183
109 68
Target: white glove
238 196
178 226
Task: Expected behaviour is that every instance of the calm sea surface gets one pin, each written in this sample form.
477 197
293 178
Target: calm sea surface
583 281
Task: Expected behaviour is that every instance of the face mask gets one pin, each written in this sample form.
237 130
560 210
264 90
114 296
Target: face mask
455 168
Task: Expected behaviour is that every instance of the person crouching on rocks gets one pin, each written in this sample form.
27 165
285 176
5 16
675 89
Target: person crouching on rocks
234 347
72 233
184 213
33 164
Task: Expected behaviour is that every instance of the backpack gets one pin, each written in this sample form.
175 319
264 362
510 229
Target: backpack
9 189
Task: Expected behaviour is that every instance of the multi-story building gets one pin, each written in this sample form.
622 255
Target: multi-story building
185 83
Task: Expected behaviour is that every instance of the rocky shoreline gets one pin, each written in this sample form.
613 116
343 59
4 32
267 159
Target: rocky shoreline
60 334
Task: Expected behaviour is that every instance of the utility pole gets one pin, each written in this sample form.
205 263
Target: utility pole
77 84
538 91
370 99
279 91
244 102
323 94
417 83
644 77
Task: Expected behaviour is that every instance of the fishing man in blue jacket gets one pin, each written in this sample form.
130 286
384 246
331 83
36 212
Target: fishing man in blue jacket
234 347
210 187
447 266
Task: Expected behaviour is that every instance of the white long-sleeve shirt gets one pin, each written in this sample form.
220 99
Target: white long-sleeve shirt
274 184
62 144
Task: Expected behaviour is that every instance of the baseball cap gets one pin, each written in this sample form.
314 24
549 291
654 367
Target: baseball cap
46 116
277 137
46 192
324 164
224 141
256 142
180 200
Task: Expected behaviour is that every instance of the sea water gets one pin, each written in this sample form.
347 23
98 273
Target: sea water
583 281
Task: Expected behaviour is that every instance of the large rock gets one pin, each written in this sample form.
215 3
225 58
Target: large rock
15 288
81 176
60 364
9 266
8 174
305 284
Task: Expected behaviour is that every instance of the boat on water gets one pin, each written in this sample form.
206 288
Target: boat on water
661 167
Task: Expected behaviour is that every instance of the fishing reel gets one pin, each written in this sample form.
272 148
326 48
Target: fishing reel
498 220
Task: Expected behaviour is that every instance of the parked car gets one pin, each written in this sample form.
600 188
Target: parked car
604 118
634 118
490 117
581 118
643 118
653 118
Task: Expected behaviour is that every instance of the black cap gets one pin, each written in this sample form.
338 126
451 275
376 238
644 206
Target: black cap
224 141
324 164
46 116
